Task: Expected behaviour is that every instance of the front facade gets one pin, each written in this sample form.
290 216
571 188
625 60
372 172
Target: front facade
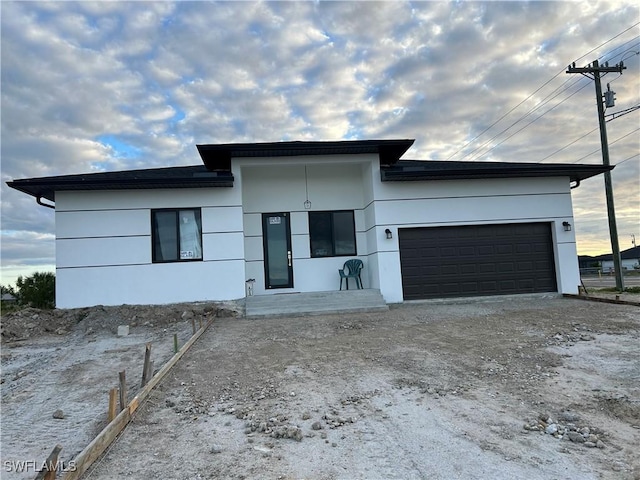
288 215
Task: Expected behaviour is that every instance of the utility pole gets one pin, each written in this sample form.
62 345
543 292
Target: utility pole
595 69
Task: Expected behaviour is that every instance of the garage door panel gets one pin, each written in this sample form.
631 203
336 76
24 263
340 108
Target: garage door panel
414 272
450 288
508 285
505 267
526 284
525 266
448 252
483 250
540 265
470 288
412 253
487 268
422 289
548 283
429 252
476 260
504 249
430 271
481 231
468 269
540 247
467 251
488 286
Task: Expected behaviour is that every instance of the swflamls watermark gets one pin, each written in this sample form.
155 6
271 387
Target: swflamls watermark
21 466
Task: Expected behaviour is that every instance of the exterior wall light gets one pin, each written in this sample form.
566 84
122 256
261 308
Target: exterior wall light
389 234
567 226
307 203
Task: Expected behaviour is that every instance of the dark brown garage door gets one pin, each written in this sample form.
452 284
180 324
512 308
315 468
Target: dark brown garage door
476 260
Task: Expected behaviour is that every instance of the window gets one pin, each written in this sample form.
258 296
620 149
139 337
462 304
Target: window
332 234
176 235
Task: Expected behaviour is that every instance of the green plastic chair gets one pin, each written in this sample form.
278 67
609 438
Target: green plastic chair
351 269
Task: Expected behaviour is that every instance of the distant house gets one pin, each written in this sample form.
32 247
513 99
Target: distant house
288 214
588 262
629 260
8 298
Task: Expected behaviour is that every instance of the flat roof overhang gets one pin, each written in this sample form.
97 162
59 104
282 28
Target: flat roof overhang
218 156
197 176
418 170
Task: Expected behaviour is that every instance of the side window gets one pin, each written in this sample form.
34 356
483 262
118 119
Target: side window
332 234
176 235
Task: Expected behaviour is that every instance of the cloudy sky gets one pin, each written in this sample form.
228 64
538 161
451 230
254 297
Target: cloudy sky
89 87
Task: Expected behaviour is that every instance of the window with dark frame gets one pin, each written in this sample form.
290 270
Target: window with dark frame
176 235
332 234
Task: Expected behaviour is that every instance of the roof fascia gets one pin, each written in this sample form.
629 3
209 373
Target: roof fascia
218 156
576 173
47 186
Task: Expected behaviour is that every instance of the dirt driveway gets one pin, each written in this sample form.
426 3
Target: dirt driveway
422 391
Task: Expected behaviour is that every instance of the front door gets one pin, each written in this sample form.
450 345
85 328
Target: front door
276 238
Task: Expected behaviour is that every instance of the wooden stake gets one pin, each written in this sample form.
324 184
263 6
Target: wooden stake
102 441
48 471
200 322
123 390
175 343
113 399
145 367
193 325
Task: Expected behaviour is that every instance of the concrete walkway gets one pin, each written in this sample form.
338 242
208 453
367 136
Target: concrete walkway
314 303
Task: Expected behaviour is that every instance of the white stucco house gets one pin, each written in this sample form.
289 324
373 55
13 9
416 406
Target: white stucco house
288 214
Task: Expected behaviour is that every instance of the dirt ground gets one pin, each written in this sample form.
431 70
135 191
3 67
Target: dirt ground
68 360
426 390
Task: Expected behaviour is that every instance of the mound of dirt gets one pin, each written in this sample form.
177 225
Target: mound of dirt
31 322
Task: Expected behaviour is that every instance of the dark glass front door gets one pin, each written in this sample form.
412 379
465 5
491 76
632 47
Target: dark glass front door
278 262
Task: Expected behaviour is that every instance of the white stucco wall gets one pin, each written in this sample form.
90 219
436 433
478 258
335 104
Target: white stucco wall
277 185
103 248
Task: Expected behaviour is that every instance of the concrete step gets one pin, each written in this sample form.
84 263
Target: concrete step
314 303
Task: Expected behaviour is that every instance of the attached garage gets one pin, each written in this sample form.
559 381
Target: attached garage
475 260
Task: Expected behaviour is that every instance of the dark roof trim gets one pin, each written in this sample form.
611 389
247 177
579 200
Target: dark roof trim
415 170
218 156
197 176
628 254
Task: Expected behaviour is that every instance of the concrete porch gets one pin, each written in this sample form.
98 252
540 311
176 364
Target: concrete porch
314 303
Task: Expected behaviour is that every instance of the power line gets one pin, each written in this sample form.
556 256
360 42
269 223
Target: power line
627 159
613 115
620 47
532 94
621 113
503 116
568 145
544 102
611 39
522 118
610 143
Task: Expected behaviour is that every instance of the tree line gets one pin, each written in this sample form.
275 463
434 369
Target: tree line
37 290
